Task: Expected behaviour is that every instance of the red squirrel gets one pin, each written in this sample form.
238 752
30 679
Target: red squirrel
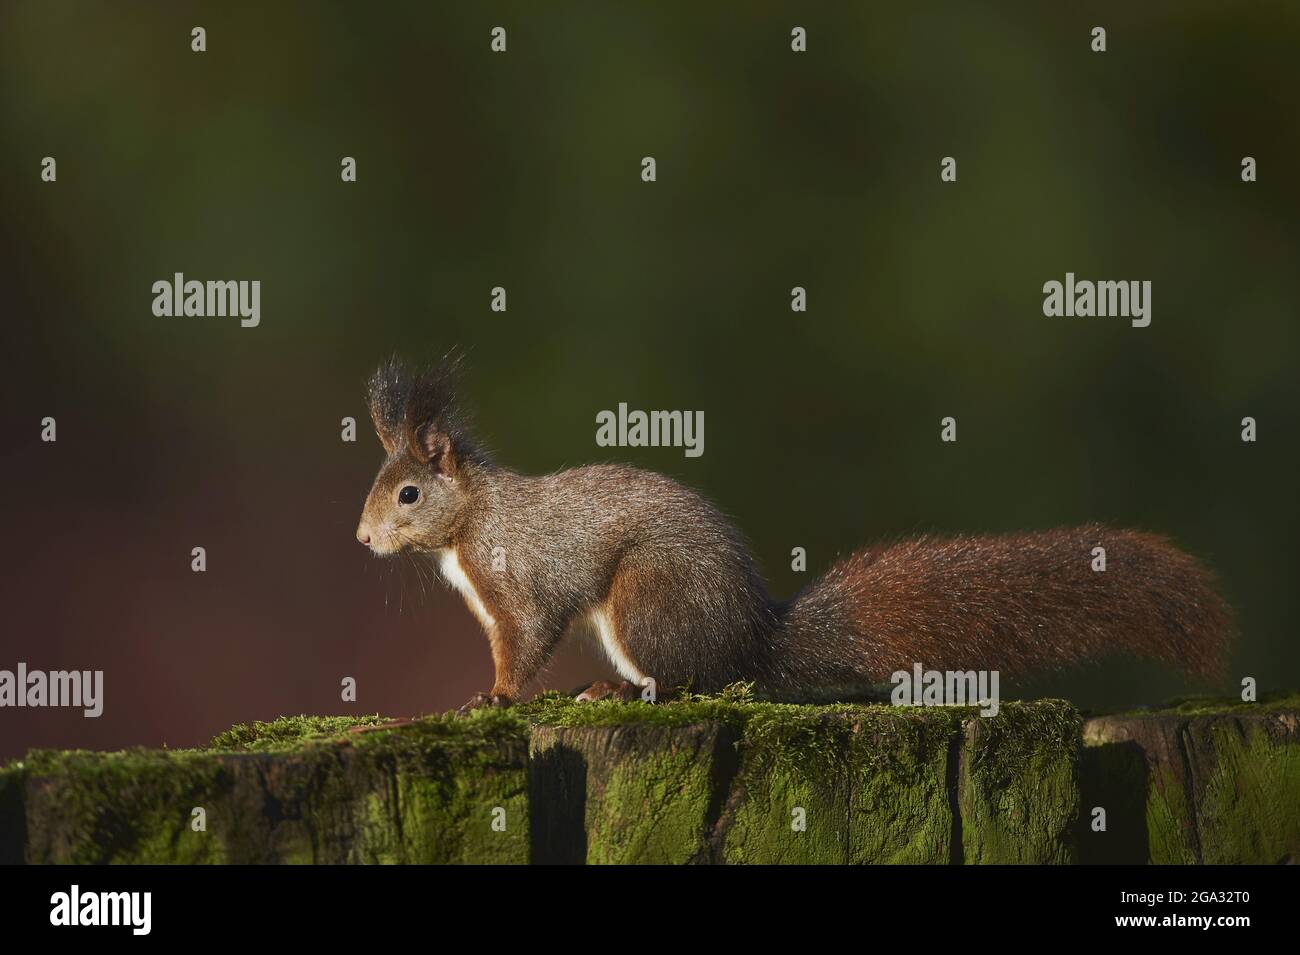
671 591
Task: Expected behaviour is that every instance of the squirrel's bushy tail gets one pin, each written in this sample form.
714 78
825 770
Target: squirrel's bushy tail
1019 604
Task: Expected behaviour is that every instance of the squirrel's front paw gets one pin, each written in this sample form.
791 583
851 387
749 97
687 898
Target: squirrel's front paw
479 700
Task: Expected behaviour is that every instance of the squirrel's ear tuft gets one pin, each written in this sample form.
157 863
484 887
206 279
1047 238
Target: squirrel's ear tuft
434 430
386 395
416 412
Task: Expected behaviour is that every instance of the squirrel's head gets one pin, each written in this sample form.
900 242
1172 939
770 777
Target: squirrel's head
422 488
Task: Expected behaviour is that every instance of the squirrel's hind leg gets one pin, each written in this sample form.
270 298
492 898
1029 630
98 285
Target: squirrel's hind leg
609 690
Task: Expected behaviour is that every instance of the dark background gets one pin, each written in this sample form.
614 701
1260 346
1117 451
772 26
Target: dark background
475 169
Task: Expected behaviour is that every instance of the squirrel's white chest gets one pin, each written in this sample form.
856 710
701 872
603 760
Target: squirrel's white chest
454 574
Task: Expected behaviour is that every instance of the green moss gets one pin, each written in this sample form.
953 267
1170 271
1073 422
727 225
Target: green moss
1170 820
792 789
13 813
449 779
132 806
866 783
869 783
1018 790
424 792
1248 809
1221 706
1217 784
419 793
655 810
900 807
852 770
1023 734
639 793
553 709
287 731
696 778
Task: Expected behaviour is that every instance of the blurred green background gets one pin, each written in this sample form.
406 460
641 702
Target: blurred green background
522 169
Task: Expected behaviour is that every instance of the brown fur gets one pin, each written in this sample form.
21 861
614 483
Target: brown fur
688 607
1018 603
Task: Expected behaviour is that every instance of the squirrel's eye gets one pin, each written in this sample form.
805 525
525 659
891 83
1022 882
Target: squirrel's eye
409 494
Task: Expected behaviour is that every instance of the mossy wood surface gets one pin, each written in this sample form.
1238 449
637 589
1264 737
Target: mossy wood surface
1194 786
702 780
